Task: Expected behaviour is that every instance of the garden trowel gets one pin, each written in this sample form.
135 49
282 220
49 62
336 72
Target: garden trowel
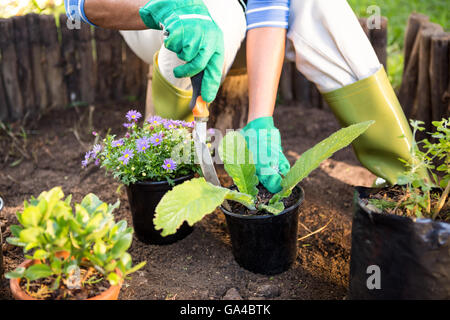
201 114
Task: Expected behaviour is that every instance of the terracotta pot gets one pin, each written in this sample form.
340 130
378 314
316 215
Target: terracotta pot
19 294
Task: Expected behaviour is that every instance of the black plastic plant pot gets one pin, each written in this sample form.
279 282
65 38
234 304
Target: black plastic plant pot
397 258
265 244
143 198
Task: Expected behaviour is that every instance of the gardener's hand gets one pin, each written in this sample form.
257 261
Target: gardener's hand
264 141
193 36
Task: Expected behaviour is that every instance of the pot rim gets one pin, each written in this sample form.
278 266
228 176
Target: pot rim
267 216
111 293
161 183
360 190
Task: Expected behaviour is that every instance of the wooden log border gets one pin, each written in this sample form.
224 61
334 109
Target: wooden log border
49 63
45 65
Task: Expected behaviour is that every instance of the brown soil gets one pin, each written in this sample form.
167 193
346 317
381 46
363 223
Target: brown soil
94 285
396 198
201 266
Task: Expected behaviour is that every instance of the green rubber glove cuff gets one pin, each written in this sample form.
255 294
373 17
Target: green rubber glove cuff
260 123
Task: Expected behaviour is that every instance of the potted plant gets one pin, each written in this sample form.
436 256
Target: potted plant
71 254
401 234
145 160
263 226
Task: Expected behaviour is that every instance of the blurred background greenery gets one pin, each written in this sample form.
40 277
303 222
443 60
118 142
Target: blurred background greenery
9 8
397 11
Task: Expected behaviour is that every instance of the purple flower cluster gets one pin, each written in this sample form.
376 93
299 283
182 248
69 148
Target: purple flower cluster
169 123
156 139
126 156
117 143
133 115
169 165
142 144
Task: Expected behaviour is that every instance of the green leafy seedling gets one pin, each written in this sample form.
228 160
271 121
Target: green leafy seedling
49 226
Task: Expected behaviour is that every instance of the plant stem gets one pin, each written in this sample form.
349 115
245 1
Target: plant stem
442 201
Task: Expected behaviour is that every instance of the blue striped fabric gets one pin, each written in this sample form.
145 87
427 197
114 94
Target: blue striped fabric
75 10
267 13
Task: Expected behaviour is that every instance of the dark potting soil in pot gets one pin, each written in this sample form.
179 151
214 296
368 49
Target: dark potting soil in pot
394 256
39 289
263 197
397 194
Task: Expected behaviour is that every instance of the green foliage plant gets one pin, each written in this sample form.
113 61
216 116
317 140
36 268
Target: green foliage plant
88 234
419 198
194 199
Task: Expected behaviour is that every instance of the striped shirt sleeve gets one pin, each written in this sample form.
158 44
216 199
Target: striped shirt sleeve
267 13
75 11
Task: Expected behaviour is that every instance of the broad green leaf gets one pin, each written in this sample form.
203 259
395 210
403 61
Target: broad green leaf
56 265
17 273
31 216
81 214
238 162
190 202
38 271
40 254
111 266
126 261
91 202
113 278
275 208
51 197
94 222
15 241
30 235
312 158
242 198
15 230
121 245
99 248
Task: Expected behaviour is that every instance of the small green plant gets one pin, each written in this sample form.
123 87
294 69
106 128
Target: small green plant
194 199
419 199
147 152
64 241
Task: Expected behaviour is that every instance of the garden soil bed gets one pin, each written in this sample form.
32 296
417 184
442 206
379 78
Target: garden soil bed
201 266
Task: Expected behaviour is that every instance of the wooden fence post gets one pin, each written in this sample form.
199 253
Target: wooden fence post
53 63
24 68
440 75
38 74
4 114
378 38
9 71
415 21
86 71
132 76
69 59
408 89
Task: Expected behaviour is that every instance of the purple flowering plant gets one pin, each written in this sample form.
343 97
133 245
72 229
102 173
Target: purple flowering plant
146 152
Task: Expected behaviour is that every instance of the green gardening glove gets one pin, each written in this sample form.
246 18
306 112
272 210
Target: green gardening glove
264 141
193 36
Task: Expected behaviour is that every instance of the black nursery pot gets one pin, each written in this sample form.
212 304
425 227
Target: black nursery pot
265 244
144 197
411 256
